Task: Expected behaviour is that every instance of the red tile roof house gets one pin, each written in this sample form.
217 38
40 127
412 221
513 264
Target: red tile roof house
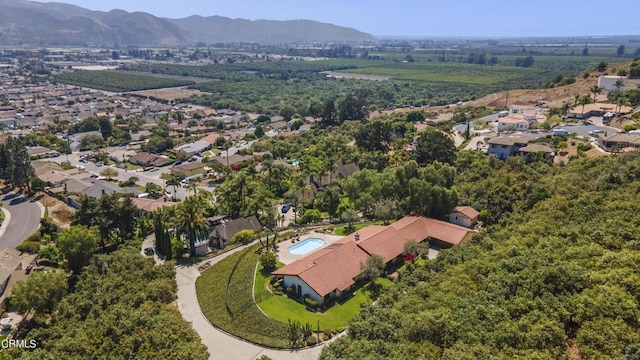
333 270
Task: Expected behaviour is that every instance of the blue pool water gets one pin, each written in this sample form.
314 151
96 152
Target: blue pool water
306 246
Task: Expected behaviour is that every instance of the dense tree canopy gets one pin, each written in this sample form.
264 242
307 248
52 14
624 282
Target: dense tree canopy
557 270
120 309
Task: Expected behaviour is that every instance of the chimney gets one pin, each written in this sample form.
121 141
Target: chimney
357 237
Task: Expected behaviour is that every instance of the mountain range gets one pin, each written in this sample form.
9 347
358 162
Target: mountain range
33 23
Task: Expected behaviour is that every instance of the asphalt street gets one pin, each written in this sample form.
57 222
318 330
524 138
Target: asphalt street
25 219
581 129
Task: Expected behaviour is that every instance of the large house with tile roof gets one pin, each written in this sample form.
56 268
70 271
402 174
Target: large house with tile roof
333 270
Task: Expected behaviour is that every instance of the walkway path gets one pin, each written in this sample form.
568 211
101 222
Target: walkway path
220 344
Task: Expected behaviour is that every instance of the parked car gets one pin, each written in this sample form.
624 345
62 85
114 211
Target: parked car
177 163
99 164
285 208
155 168
149 251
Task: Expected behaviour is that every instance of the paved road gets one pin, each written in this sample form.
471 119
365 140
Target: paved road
581 129
25 219
220 345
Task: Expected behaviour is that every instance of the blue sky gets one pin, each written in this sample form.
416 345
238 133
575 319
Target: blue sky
413 17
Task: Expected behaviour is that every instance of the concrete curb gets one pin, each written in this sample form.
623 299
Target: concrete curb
42 208
5 222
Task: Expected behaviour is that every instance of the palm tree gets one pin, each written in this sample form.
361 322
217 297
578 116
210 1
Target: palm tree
190 221
595 90
584 100
565 108
174 181
193 186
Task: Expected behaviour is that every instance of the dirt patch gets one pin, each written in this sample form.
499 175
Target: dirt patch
573 350
596 153
169 94
60 212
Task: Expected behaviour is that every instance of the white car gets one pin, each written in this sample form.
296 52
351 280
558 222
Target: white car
81 168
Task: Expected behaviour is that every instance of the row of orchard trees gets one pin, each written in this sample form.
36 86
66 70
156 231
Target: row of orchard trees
15 163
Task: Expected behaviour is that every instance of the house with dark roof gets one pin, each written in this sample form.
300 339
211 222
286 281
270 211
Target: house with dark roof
195 147
12 269
611 141
531 151
235 159
188 169
315 183
41 152
335 269
223 230
504 146
146 159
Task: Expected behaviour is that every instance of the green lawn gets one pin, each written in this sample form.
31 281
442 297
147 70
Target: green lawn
131 166
225 294
227 289
342 231
282 308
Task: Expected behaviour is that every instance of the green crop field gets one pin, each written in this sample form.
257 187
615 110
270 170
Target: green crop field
402 79
117 81
448 72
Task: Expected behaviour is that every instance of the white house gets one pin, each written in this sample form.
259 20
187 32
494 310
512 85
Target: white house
464 216
329 272
512 122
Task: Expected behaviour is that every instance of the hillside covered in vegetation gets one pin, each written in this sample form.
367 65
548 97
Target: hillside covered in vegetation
556 276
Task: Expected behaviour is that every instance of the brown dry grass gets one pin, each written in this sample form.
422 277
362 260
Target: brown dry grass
61 214
169 94
554 96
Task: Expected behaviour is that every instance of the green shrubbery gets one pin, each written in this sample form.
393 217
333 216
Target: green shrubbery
553 266
311 340
310 302
243 237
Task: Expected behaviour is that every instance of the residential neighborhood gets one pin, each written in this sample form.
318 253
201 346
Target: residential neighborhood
389 198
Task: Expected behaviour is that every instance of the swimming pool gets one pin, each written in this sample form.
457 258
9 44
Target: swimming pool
306 246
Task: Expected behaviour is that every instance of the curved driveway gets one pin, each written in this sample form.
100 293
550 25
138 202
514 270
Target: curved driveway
24 221
220 344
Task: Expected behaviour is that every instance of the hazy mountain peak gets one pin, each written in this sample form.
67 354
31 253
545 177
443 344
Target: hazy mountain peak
55 23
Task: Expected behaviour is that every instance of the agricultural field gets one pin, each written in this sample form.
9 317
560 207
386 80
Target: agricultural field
444 72
393 79
117 81
169 94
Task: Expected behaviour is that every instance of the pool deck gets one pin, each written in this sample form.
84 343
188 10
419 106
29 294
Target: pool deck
283 247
